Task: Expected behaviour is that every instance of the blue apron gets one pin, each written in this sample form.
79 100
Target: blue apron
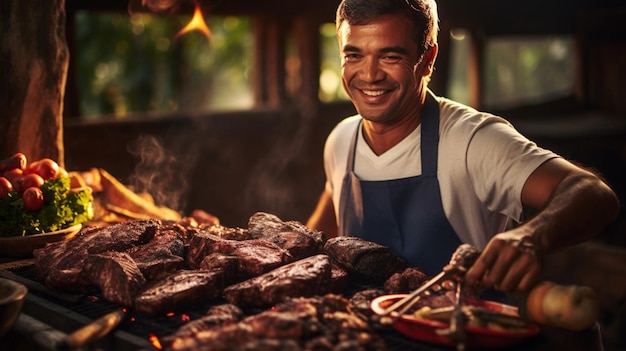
405 214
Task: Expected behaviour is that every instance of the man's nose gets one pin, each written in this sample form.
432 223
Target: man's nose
371 70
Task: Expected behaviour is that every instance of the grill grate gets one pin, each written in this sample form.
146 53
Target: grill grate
92 306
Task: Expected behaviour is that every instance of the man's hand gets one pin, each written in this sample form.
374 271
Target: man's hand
511 261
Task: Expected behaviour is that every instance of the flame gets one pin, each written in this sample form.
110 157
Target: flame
154 340
197 23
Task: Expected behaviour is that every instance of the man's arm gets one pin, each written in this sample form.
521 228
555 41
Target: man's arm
573 205
323 217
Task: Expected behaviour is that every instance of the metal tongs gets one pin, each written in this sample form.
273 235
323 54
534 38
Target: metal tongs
462 259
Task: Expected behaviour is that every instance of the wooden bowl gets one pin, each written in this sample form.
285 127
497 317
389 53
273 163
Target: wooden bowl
11 300
23 246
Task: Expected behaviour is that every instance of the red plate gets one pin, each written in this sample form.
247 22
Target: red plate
423 329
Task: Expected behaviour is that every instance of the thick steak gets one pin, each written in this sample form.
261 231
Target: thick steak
254 257
179 290
160 256
117 276
306 277
60 266
368 259
292 236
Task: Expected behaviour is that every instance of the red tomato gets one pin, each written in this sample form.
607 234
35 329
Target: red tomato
28 181
33 199
46 168
5 187
13 175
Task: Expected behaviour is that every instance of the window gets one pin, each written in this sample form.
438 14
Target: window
331 88
516 71
137 63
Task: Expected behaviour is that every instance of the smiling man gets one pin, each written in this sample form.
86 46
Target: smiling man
422 174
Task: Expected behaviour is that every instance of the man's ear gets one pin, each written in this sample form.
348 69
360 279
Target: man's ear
430 56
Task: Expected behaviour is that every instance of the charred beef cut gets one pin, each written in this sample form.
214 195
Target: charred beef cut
60 266
179 290
360 304
365 258
160 256
307 277
292 236
405 281
117 276
296 324
254 257
229 233
226 263
259 328
216 316
339 278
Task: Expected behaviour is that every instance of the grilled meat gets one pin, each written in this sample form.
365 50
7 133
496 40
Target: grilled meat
367 259
161 255
216 316
295 324
292 236
306 277
254 257
60 265
116 274
405 281
179 290
229 233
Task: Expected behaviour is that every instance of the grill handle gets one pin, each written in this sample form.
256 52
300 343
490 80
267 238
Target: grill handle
94 330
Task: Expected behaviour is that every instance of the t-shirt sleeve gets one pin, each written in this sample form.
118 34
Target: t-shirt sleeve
499 161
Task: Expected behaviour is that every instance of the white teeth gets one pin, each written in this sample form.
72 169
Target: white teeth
373 92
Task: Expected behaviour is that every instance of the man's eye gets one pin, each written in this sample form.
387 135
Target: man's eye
351 57
391 58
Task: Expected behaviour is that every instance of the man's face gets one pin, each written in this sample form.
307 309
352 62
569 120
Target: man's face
379 70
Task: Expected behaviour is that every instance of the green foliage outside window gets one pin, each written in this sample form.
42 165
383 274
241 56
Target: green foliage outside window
136 63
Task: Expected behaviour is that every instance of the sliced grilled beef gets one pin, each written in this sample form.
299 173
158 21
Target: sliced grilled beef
296 324
226 263
117 276
298 244
179 290
160 256
254 257
60 266
293 236
216 316
229 233
339 278
307 277
201 244
365 258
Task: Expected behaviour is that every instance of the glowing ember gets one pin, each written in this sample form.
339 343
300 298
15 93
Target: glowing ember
154 340
185 317
170 314
197 23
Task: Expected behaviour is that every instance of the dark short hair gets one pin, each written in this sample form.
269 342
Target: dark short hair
423 14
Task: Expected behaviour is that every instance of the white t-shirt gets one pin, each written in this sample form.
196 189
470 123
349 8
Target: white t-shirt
483 163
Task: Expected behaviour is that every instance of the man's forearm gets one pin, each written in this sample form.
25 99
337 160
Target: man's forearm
580 208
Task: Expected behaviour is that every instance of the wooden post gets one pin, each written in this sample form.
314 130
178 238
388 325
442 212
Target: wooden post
33 69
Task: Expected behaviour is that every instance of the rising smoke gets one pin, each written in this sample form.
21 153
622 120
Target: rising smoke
160 172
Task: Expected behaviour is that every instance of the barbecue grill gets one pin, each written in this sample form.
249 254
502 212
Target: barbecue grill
53 315
48 317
